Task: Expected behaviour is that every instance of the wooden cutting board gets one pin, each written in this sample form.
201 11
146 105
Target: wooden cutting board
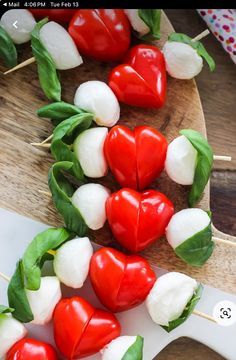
23 168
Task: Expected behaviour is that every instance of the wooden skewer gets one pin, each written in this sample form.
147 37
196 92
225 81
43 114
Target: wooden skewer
43 144
47 193
48 138
32 59
223 241
5 277
201 35
195 312
215 239
47 146
205 316
222 158
51 252
21 65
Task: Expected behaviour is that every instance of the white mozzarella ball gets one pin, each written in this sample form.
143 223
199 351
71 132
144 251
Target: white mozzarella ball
181 159
71 262
90 199
96 97
184 224
19 24
11 331
43 301
88 148
182 61
117 348
136 22
60 45
169 297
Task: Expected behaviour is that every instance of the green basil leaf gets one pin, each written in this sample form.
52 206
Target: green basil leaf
59 111
135 351
196 250
63 138
63 152
7 49
17 298
152 18
187 311
5 309
203 166
62 191
70 128
47 71
197 45
44 241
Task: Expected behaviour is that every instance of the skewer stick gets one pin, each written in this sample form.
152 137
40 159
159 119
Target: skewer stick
195 312
5 277
222 158
32 59
215 239
223 241
48 138
47 193
21 65
205 316
201 35
51 252
47 146
43 144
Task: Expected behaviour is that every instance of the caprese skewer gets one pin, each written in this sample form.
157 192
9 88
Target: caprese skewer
189 161
173 299
53 49
136 158
82 208
190 234
91 96
184 56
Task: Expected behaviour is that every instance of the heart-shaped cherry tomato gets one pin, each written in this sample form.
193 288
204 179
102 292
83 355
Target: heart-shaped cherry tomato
141 79
138 219
136 157
102 34
81 330
120 282
30 349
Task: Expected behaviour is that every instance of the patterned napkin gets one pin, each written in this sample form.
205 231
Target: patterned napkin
222 23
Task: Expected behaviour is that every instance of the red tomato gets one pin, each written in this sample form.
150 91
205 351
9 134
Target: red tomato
26 349
138 219
81 330
141 80
102 34
58 15
136 157
120 282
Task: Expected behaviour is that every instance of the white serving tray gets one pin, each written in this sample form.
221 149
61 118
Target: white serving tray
17 231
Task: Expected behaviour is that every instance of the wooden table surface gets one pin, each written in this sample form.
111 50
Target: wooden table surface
218 95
